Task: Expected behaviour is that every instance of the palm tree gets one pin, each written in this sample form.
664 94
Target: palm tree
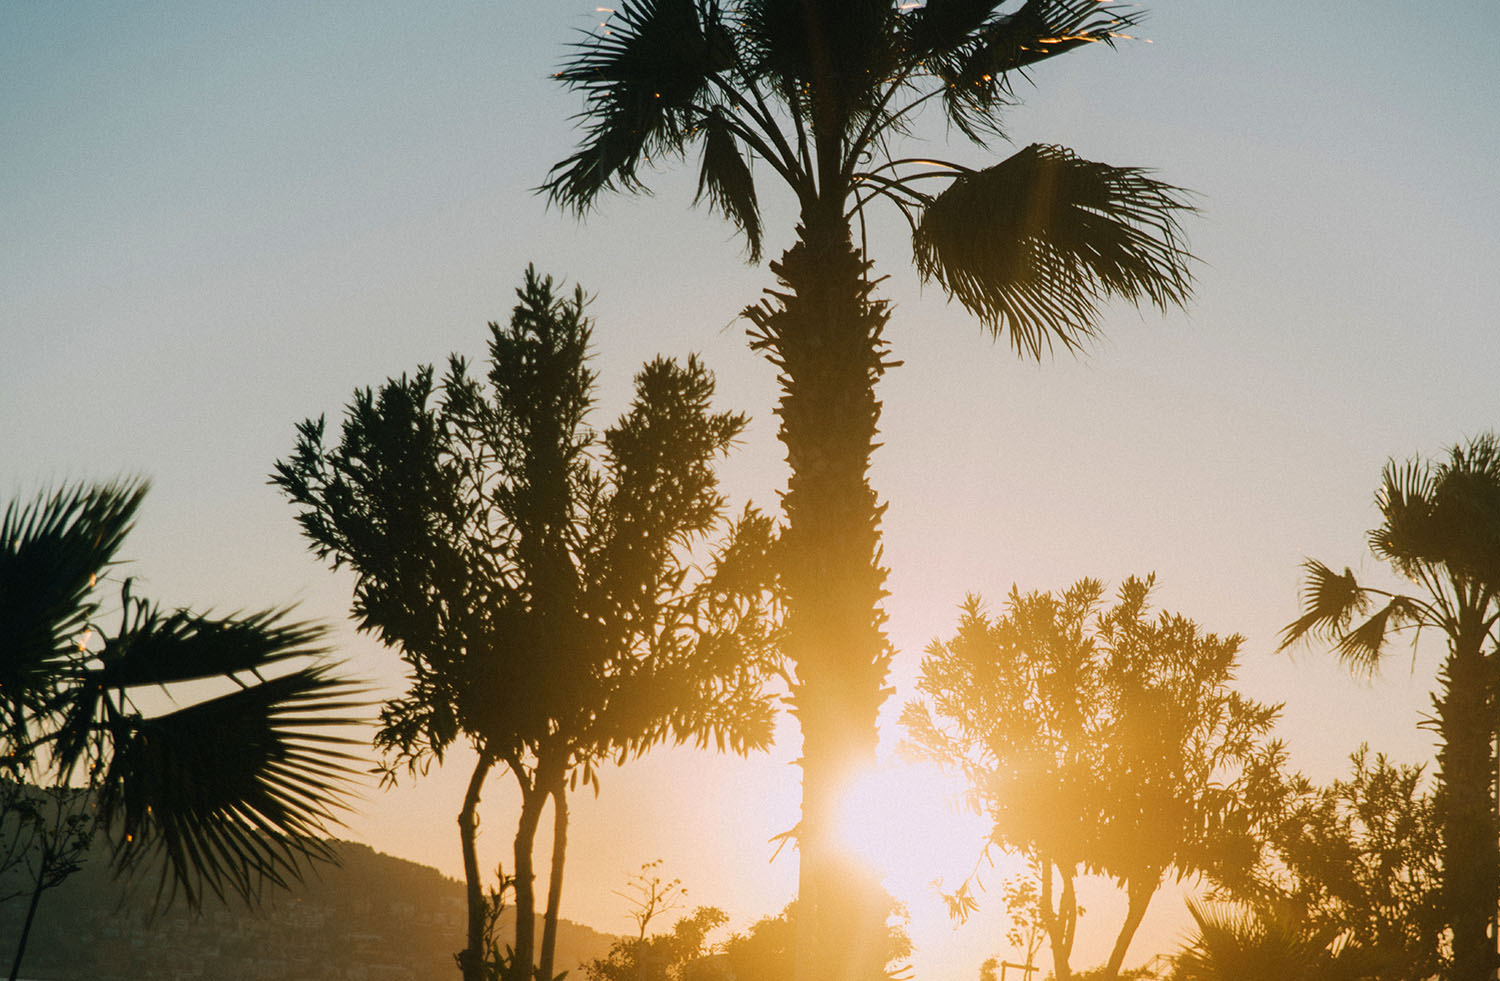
819 91
1238 944
220 795
1441 531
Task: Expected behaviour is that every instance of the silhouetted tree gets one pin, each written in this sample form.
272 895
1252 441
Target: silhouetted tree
45 834
536 577
765 952
819 91
221 793
45 837
681 955
650 896
1440 529
1103 741
1358 862
1023 905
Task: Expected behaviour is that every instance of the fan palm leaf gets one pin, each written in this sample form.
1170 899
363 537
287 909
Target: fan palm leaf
155 648
52 552
834 53
1033 244
1408 535
1239 945
725 179
1467 499
973 49
1330 601
1359 648
232 790
644 83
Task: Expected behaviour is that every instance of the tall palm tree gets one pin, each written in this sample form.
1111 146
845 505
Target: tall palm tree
216 794
1440 529
819 91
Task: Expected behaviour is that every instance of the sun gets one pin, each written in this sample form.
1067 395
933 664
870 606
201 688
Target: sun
907 821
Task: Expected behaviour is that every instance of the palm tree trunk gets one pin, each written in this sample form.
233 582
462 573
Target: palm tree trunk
554 880
1466 765
471 960
533 799
824 334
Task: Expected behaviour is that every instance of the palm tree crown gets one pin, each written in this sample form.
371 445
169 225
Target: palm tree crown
819 91
1440 529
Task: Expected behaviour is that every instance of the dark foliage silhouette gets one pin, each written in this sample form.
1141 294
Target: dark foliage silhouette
764 952
536 575
1357 862
819 93
679 955
1236 944
210 794
1440 530
1098 740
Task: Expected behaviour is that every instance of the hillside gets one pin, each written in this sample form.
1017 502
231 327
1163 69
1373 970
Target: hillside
374 918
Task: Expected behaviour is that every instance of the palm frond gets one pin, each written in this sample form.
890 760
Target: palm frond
643 76
1445 514
52 552
233 791
1360 648
152 648
1329 602
1033 244
940 27
726 180
1235 943
975 65
1408 536
835 55
1466 502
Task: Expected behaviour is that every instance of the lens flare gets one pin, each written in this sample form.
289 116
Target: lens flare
907 821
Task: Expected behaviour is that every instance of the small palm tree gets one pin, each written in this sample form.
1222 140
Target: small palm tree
1235 944
819 92
217 796
1441 531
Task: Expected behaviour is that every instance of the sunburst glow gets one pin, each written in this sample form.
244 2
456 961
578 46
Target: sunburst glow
907 821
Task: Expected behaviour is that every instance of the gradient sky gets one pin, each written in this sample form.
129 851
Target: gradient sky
220 219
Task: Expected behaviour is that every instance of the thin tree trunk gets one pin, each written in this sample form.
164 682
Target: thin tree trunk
471 959
824 334
554 880
1139 890
1059 921
533 799
1471 869
36 898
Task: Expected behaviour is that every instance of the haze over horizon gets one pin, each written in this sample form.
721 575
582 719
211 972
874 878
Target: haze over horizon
221 221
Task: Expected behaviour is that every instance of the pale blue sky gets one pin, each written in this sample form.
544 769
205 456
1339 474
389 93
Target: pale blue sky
220 219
